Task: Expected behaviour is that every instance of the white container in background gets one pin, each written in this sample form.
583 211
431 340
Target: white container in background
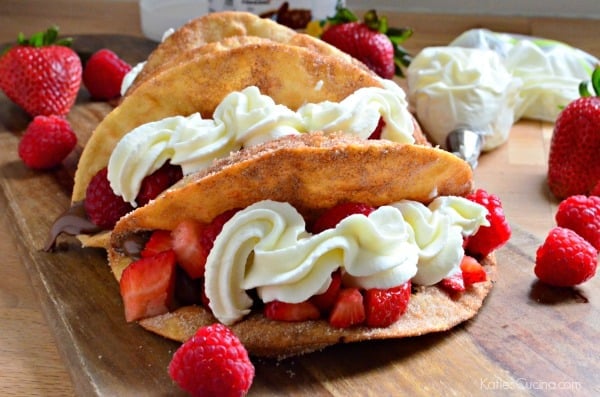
158 16
320 8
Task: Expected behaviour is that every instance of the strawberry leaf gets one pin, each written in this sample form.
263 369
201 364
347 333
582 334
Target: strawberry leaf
41 39
595 82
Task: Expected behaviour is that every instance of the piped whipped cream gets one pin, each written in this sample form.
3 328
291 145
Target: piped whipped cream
245 118
266 247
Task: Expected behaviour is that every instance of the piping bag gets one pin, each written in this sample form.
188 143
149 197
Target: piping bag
467 95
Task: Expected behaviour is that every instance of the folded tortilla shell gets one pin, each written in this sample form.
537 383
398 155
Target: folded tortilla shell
215 27
312 172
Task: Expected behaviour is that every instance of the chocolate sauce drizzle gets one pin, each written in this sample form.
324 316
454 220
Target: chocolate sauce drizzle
72 222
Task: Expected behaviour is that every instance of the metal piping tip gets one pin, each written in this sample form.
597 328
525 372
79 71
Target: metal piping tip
466 144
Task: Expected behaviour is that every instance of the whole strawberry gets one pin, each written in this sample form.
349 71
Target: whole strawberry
46 142
41 74
565 259
103 74
371 41
212 363
574 165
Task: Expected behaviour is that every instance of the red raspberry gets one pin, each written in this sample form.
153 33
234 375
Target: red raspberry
582 215
565 259
330 218
46 142
488 238
102 205
157 182
103 74
212 363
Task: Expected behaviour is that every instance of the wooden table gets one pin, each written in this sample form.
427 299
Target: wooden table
29 360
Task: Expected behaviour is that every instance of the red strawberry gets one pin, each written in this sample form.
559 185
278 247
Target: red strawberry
472 271
454 283
348 309
582 215
160 240
192 242
573 166
103 74
157 182
191 253
103 207
213 363
565 259
284 311
384 307
147 286
488 238
41 74
371 47
330 218
326 300
46 142
372 42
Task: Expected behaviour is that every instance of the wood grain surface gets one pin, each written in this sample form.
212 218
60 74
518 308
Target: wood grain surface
62 326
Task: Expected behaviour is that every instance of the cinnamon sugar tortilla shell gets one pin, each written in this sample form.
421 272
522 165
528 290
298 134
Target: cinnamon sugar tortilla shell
290 75
430 310
215 27
312 172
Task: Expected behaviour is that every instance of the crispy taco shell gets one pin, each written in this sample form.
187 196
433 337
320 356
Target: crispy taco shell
312 172
215 27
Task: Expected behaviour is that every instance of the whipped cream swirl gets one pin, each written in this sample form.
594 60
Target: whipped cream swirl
266 247
245 118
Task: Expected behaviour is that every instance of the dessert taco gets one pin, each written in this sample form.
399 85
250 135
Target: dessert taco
235 93
271 261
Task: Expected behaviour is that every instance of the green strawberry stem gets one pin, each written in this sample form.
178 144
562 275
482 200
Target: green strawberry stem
583 86
40 39
397 36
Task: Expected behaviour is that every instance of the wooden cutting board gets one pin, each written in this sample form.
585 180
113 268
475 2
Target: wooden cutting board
528 339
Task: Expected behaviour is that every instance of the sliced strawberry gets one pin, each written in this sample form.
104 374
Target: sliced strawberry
160 240
147 286
187 244
453 283
348 309
384 307
326 300
192 242
330 218
472 271
283 311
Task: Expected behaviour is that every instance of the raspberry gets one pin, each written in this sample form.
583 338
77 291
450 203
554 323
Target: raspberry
212 363
565 259
46 142
488 238
582 215
103 74
157 182
102 205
